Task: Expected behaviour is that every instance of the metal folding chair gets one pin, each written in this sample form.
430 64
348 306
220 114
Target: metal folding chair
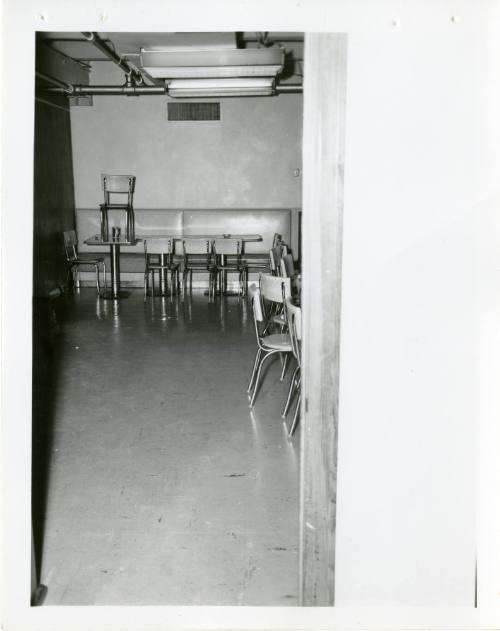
75 262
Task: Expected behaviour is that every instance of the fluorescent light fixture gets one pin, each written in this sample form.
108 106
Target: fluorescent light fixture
162 63
247 86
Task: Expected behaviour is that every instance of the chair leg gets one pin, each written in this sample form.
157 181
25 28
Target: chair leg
291 390
285 364
69 274
104 271
152 283
256 387
295 417
145 285
254 370
97 278
210 286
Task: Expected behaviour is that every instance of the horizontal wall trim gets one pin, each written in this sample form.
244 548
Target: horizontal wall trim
218 208
136 279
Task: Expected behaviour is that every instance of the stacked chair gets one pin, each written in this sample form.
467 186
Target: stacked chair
278 329
119 188
268 344
294 322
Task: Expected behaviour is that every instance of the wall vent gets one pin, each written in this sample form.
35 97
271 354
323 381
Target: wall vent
193 111
80 100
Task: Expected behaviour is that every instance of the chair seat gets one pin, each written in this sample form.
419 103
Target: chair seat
195 266
172 266
278 341
230 267
86 261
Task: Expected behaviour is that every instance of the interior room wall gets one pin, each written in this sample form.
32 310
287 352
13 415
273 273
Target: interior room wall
53 200
245 160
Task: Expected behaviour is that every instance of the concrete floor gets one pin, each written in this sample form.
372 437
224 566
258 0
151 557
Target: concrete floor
162 487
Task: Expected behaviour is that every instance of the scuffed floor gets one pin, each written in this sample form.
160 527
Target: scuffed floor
163 488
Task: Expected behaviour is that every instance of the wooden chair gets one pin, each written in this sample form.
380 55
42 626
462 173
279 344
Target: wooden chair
74 262
158 257
267 345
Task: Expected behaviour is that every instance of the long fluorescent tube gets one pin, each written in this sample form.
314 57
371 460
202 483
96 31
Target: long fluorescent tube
248 86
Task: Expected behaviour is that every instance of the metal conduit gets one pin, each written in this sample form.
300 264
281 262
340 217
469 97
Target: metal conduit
133 90
62 86
132 74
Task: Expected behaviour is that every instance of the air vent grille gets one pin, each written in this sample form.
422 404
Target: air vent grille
193 111
76 101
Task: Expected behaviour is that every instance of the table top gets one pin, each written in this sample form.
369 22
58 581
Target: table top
96 240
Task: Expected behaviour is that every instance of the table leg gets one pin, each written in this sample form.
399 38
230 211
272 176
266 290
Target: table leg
116 292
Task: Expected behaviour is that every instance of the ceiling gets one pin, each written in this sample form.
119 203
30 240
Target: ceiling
128 45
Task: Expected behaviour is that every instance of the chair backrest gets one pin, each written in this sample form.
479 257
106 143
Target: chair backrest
118 185
275 256
272 287
276 239
70 243
196 246
255 295
272 263
257 310
294 321
226 246
294 315
158 246
287 267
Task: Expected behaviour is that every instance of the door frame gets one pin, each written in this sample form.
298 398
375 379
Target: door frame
325 57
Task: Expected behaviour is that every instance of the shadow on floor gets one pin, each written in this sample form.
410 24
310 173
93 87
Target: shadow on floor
47 313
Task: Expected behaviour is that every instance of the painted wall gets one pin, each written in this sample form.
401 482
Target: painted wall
246 160
54 202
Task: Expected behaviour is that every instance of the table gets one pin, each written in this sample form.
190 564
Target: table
114 249
115 293
176 236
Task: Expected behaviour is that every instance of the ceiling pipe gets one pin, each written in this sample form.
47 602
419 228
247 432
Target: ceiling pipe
61 85
133 90
133 76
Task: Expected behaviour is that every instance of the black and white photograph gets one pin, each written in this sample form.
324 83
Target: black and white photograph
251 315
